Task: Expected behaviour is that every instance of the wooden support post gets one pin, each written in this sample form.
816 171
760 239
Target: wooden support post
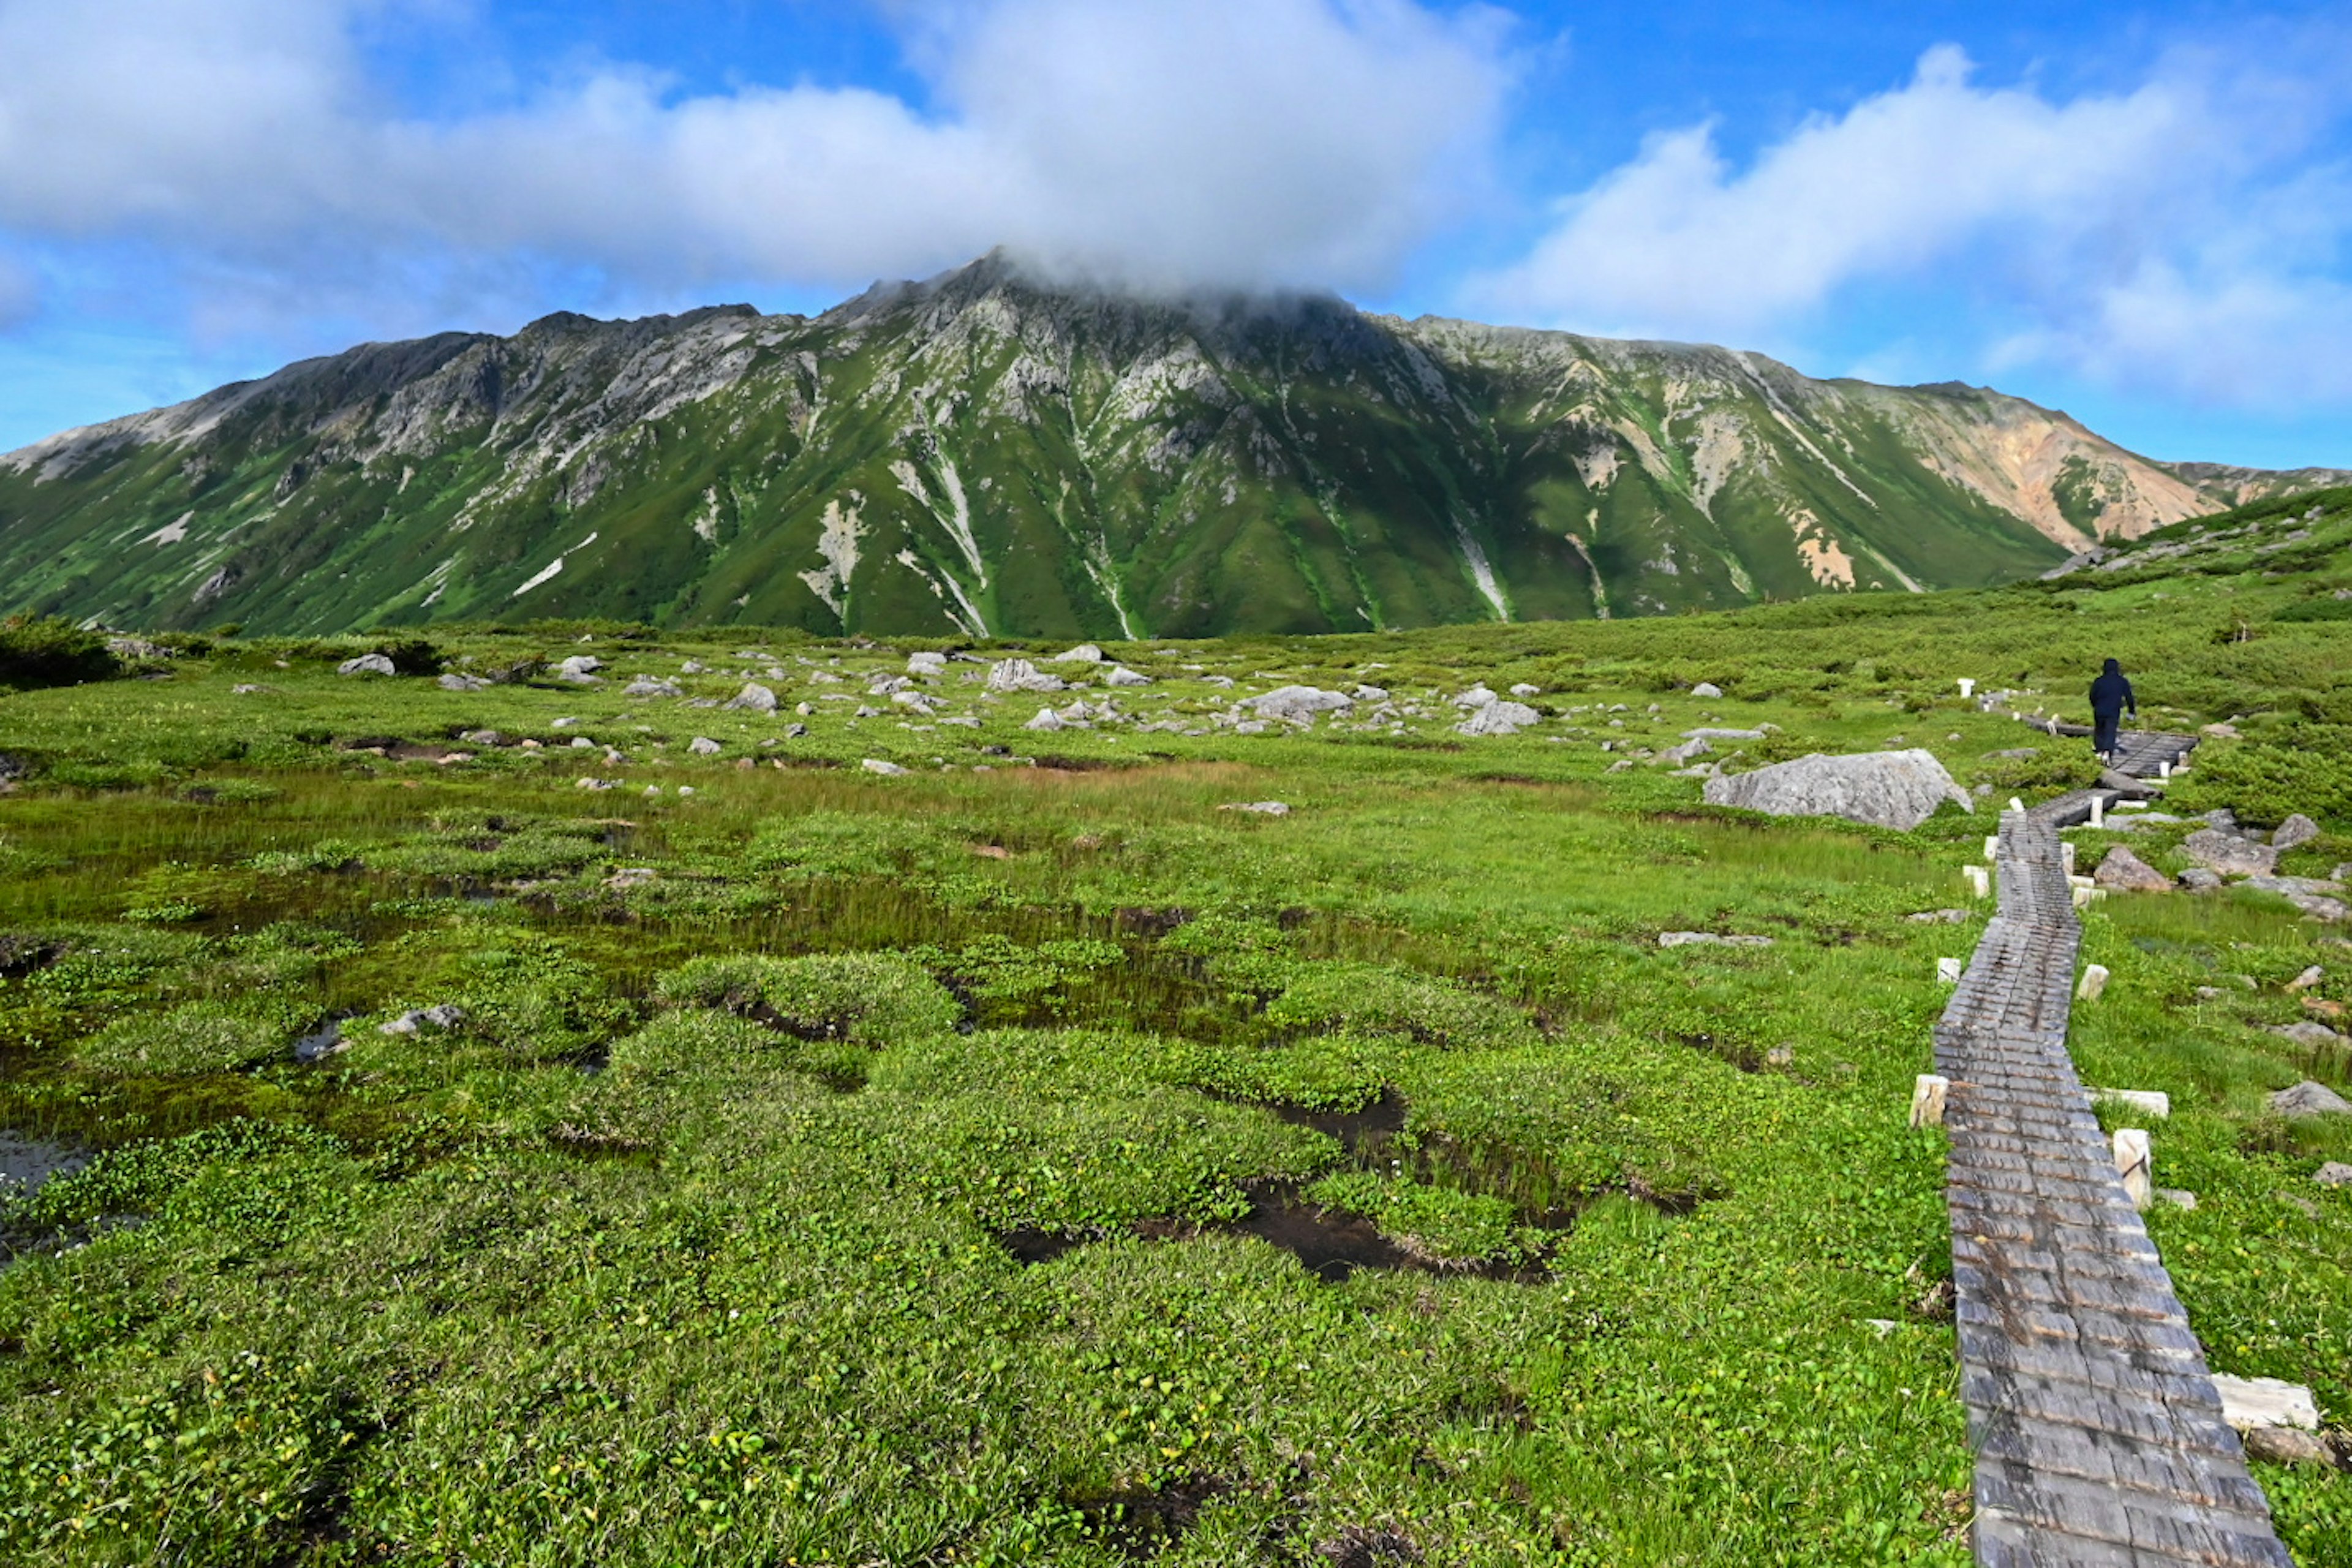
1968 687
1980 880
2094 982
2015 804
2164 769
2134 1162
1992 848
2098 811
1950 970
1927 1092
2066 857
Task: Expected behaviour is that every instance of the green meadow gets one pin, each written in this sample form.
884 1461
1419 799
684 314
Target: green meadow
501 1149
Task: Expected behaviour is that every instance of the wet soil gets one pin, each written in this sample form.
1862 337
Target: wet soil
1143 1524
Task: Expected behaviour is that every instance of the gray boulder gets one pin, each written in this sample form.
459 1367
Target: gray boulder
1707 689
454 682
2197 880
366 664
2229 853
1709 939
1887 789
1020 674
2335 1173
2305 1032
2295 833
755 697
2310 1099
1498 718
2320 906
2125 872
1298 702
703 746
653 685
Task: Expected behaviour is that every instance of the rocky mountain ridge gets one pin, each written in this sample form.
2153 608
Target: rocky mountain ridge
982 454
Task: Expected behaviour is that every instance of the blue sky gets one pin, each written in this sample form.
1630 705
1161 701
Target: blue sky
2140 214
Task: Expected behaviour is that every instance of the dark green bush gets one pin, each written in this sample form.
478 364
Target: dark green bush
47 651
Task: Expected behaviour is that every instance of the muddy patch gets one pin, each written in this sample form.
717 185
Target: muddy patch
1143 1524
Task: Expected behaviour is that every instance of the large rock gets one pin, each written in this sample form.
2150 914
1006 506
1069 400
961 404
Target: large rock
2295 833
1887 789
1020 674
2227 853
2310 1099
366 664
2125 872
754 698
1298 702
1498 718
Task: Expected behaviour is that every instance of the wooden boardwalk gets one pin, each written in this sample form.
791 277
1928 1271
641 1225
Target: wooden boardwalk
2098 1434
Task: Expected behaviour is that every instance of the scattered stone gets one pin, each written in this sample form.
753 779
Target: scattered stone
2229 854
629 876
1477 695
366 664
1498 718
1681 754
2197 880
2015 754
2288 886
483 738
2335 1173
2221 816
1714 734
2307 979
754 698
2310 1099
2177 1197
597 784
2122 871
2220 731
2319 907
136 649
653 685
1370 694
692 667
1020 674
1780 1055
582 743
1122 676
1709 939
2305 1033
1263 807
876 765
1047 719
1085 653
1942 916
703 746
1887 789
462 683
2295 831
1707 689
927 664
246 690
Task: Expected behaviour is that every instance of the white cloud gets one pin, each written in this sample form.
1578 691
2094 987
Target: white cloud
2141 233
1238 141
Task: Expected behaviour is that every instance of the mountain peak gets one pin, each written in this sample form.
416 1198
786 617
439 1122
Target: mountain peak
1003 450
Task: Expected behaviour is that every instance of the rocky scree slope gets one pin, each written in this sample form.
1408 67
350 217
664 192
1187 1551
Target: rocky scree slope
982 454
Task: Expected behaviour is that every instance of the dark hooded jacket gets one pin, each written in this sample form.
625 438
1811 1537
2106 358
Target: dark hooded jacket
2111 693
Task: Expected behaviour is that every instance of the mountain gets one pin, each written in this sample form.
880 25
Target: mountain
984 453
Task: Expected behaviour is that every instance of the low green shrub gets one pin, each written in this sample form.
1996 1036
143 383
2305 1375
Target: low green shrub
47 651
873 998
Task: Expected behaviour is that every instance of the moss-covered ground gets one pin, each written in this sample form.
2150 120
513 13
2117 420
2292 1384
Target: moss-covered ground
1024 1158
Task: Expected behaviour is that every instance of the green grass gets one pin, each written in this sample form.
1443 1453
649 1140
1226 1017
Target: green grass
687 1241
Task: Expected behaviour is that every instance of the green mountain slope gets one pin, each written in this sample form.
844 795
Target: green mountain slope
983 453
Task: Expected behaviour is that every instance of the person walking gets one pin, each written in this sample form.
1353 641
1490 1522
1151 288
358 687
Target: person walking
2110 695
